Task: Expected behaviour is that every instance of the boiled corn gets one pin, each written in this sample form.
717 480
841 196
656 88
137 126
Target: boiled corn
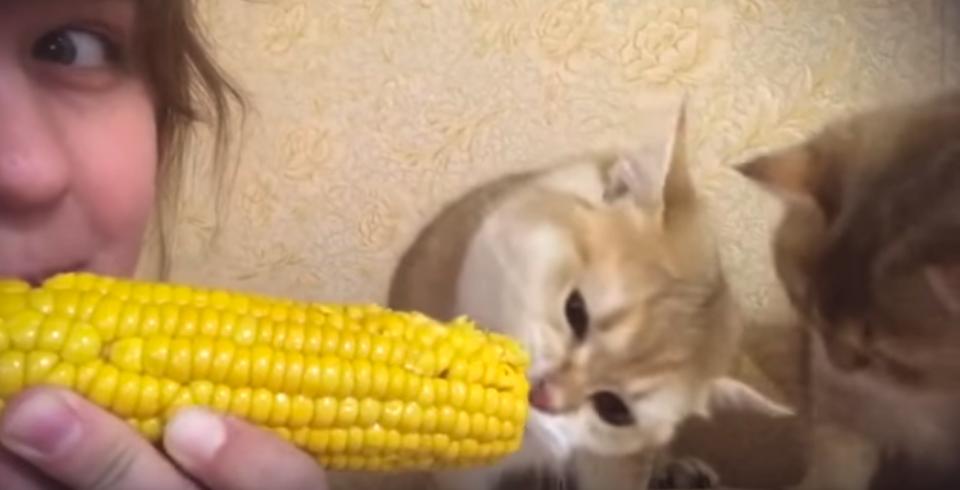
358 386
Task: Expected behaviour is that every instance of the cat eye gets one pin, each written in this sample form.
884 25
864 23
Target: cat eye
575 310
611 409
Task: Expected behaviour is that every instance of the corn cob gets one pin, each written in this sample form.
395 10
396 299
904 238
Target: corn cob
359 387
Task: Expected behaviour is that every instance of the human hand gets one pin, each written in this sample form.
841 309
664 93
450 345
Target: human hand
53 438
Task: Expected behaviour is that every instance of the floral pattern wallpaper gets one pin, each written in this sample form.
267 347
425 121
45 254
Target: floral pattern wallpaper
369 114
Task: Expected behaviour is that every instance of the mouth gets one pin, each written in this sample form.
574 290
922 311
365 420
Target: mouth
38 277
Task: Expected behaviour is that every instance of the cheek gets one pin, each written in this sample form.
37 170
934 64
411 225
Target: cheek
118 165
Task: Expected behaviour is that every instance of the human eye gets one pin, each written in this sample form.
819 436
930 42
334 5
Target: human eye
75 47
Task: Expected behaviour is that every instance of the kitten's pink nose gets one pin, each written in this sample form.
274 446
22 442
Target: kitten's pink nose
540 398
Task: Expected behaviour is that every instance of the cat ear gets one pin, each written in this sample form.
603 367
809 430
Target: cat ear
799 173
678 192
788 170
731 395
639 176
654 174
944 280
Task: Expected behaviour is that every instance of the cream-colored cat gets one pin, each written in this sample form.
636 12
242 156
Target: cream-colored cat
605 269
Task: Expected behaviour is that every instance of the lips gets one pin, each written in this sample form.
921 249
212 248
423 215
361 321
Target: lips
37 277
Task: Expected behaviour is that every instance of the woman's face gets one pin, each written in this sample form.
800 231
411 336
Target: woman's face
77 138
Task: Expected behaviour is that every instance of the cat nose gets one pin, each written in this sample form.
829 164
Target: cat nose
540 398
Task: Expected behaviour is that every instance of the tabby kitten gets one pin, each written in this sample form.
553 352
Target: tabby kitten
604 268
869 252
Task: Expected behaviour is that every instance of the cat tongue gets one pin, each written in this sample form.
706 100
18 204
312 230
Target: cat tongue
540 397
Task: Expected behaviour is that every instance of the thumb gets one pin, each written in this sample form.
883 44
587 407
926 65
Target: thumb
225 453
82 446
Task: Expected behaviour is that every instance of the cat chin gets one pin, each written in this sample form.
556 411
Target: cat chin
559 436
636 445
554 436
548 446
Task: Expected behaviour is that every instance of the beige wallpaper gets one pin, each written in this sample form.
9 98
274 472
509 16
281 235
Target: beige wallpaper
371 113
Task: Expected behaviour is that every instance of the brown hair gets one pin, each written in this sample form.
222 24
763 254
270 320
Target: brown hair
188 88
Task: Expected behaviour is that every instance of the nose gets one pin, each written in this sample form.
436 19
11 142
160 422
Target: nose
34 170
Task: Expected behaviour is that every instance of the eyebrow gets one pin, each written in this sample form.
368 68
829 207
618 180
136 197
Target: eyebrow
636 389
97 8
609 320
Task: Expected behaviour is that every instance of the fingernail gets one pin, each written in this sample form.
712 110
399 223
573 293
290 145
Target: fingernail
41 426
194 436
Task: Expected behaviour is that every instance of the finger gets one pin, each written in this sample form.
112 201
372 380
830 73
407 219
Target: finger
81 445
17 474
228 454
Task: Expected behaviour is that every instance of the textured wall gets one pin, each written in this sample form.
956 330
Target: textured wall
370 113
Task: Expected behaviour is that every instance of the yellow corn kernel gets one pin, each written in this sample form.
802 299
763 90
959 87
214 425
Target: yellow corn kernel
149 400
202 392
208 322
202 356
301 411
175 320
369 413
38 366
22 329
221 398
325 412
82 344
240 402
65 374
359 387
280 415
261 405
127 394
12 369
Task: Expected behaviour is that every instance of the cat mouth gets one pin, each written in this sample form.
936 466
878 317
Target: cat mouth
540 398
545 399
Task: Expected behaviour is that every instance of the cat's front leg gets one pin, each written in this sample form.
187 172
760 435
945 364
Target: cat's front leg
624 472
682 473
839 460
534 477
476 479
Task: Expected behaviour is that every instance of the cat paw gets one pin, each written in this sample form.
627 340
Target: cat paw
684 473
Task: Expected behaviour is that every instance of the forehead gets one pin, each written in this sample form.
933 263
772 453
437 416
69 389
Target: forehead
910 190
910 171
117 17
625 251
92 5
